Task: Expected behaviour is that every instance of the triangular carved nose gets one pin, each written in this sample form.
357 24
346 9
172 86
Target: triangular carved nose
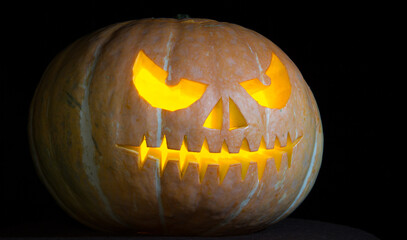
215 117
236 119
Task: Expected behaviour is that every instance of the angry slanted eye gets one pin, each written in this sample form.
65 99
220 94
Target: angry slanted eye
149 80
275 95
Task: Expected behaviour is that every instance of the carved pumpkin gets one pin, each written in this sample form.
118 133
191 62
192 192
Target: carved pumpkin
179 127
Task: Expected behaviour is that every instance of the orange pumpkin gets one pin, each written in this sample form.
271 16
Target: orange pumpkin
178 127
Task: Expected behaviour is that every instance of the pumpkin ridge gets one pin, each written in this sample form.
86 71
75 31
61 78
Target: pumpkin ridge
90 166
236 212
305 184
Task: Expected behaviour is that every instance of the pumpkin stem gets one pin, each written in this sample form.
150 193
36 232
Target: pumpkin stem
182 16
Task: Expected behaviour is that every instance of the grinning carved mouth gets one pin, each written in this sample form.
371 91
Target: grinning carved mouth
224 159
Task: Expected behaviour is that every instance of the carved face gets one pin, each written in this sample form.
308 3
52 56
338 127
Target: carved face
176 127
150 82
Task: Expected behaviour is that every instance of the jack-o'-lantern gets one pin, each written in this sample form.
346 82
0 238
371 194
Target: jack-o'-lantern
178 127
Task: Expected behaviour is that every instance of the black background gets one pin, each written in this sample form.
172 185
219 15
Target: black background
337 49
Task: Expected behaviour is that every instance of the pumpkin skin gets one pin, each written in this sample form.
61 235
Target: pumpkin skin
86 106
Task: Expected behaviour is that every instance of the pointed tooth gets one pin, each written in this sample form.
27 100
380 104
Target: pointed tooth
278 155
263 145
283 139
277 144
245 166
261 166
271 142
292 134
289 140
163 164
183 155
245 145
202 159
203 165
205 147
225 149
184 168
288 149
164 154
143 152
223 170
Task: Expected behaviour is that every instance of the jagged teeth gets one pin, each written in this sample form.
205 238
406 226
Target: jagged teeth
223 159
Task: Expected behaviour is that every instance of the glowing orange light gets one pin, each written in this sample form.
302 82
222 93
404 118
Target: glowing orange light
214 119
236 119
223 159
275 95
149 80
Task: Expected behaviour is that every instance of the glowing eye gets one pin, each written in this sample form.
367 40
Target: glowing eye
149 80
275 95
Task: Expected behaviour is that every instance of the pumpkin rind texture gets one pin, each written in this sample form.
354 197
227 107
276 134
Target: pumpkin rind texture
94 138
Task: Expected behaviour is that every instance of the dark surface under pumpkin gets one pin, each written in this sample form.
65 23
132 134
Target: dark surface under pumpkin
288 229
